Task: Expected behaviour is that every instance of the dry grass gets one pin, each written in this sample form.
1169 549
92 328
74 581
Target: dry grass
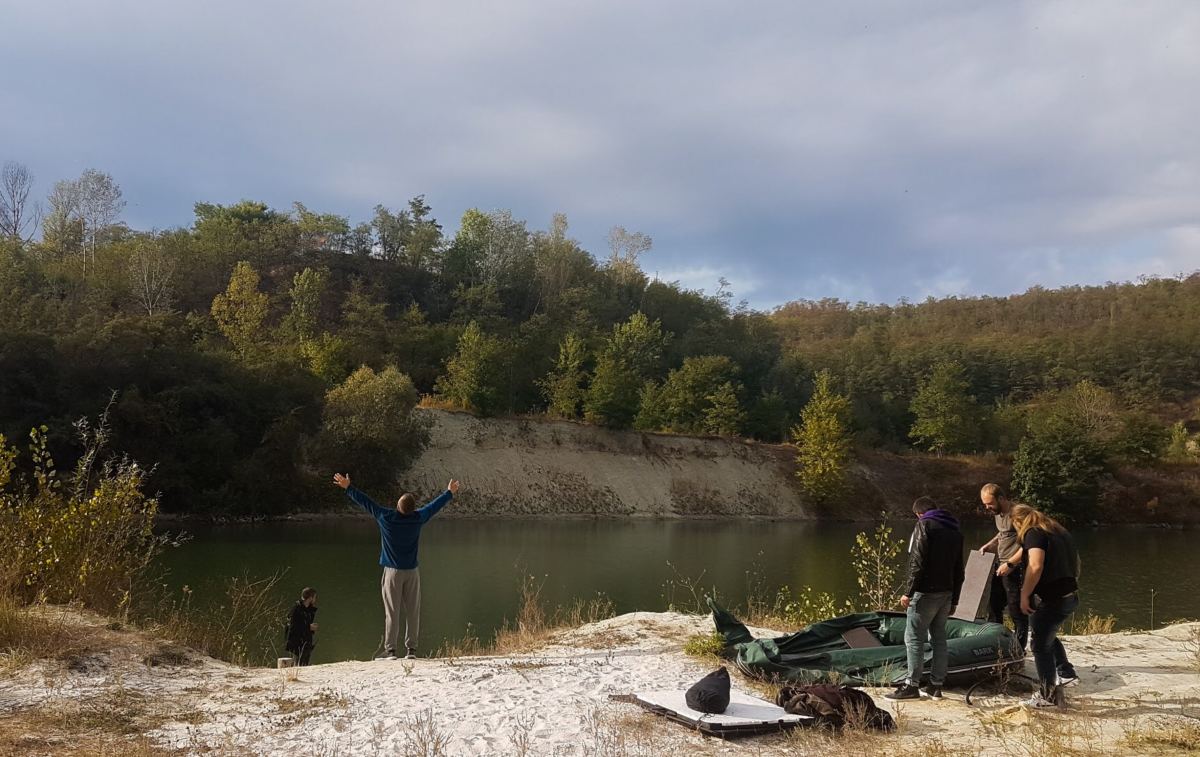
111 724
534 626
1090 624
1158 736
37 632
423 737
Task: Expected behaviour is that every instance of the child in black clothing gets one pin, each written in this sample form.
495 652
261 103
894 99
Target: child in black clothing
301 627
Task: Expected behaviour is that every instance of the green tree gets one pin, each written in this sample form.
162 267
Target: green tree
684 402
241 310
823 441
1058 470
308 286
369 426
724 415
630 356
946 416
563 387
327 356
475 374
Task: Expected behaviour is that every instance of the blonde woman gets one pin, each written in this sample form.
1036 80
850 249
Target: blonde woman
1049 594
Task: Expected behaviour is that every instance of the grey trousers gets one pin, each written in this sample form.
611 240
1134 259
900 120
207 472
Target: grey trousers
401 590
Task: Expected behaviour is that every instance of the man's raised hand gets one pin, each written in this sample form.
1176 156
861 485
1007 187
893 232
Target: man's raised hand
452 487
341 480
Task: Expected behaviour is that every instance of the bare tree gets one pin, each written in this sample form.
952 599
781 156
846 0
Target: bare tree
625 248
100 204
81 210
150 272
16 214
63 228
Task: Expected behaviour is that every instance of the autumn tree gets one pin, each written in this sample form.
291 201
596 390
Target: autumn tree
823 442
241 310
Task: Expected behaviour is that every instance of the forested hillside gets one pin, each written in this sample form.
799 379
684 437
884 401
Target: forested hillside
246 354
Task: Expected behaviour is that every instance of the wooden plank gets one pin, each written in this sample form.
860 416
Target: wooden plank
972 600
861 638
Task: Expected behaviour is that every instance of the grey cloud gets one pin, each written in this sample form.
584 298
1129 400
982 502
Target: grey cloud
867 152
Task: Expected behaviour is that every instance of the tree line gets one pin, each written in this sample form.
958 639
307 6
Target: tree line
244 348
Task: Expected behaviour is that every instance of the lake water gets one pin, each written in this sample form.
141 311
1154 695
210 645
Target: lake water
471 569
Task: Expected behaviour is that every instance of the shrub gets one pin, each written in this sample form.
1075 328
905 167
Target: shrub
87 538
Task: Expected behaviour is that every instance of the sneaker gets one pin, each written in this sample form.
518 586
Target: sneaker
1039 702
1067 679
907 691
933 690
387 655
411 654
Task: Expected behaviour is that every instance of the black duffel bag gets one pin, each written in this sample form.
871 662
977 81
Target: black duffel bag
710 694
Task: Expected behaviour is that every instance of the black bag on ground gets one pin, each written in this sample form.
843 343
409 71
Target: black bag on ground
710 694
835 706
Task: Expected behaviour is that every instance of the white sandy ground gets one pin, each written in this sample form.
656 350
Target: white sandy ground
555 700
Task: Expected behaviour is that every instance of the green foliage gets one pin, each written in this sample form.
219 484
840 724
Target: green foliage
474 378
1141 440
823 442
876 567
308 286
704 645
369 427
805 606
563 387
696 398
1058 471
946 416
630 356
241 310
229 414
327 357
724 415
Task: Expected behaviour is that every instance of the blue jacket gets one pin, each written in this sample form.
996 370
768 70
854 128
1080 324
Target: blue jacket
398 534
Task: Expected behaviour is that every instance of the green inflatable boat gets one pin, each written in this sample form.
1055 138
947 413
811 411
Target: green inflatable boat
864 649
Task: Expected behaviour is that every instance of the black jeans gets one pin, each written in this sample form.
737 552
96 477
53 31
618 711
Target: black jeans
1006 596
1049 654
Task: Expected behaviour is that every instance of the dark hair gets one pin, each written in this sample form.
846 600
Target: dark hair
923 505
408 503
308 593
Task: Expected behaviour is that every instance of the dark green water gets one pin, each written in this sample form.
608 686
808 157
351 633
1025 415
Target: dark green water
470 570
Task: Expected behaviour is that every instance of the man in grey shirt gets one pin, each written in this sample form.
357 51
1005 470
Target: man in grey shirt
1006 583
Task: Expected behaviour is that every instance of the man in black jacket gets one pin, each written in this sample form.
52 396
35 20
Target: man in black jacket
935 577
302 626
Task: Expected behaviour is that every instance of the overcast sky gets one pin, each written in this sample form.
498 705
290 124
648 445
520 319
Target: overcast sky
861 150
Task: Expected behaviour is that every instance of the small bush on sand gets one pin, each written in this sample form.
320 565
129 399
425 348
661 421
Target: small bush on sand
705 645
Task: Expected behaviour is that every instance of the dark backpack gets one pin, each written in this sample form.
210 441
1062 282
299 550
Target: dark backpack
710 694
835 706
